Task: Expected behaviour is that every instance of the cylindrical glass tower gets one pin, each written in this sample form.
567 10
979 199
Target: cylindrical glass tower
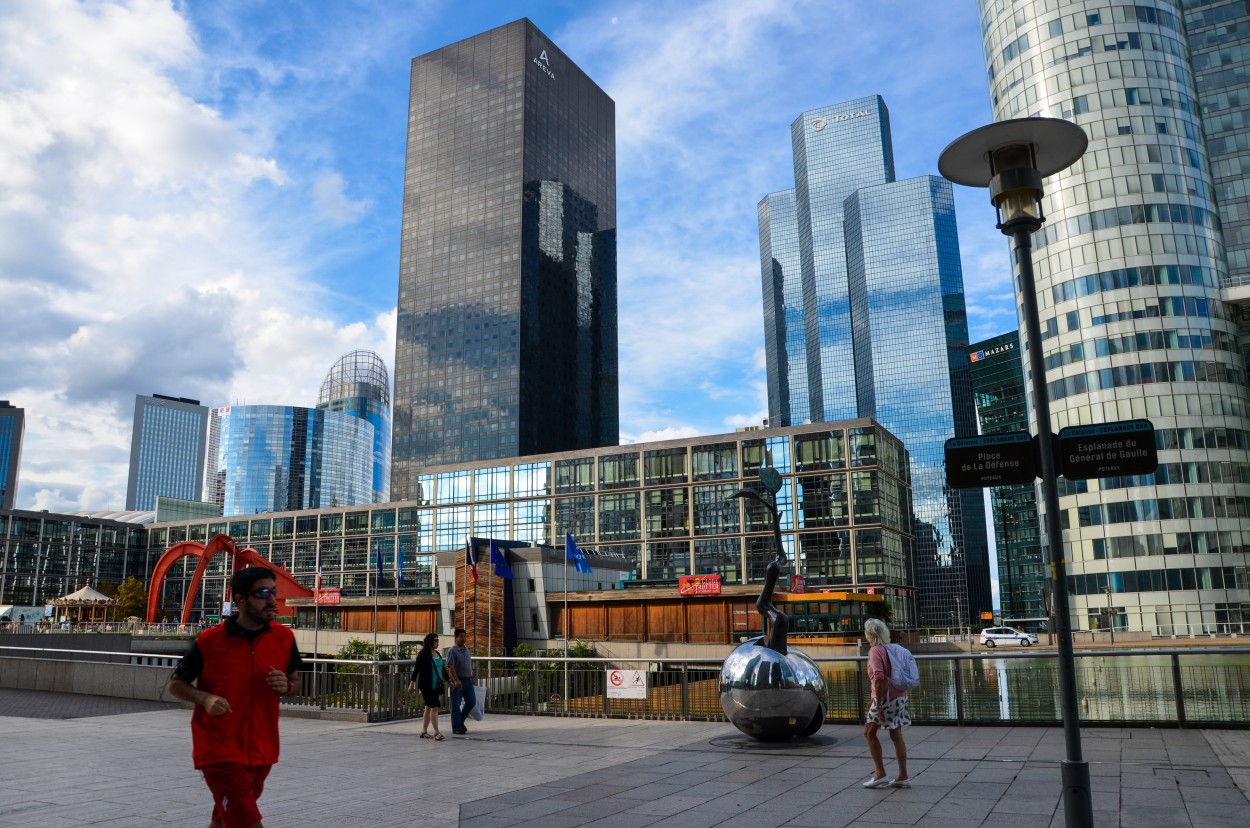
358 384
274 458
1129 269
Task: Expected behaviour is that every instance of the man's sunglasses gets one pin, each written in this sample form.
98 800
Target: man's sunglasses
265 592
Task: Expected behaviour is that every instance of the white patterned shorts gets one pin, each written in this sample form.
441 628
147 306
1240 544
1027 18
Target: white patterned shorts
895 714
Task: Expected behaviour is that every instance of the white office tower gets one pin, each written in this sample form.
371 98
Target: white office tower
1131 270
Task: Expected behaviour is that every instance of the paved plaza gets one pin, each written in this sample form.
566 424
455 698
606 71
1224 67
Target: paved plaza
72 761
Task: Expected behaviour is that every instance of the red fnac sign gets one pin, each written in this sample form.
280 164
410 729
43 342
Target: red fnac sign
798 583
329 595
699 585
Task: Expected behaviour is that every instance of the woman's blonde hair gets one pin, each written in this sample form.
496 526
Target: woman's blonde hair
876 631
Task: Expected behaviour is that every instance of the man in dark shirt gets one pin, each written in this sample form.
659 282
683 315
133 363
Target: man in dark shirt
233 674
463 693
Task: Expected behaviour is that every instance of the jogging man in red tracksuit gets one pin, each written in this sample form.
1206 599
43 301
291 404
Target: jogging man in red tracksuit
233 674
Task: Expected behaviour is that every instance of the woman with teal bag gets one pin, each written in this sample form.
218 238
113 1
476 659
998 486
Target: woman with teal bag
429 675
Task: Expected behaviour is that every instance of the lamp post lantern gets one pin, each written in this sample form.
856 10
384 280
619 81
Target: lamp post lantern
1011 158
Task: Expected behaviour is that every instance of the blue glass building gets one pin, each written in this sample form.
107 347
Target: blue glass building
885 328
167 451
12 421
276 458
358 385
785 331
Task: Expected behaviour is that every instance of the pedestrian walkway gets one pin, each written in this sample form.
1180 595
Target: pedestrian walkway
134 770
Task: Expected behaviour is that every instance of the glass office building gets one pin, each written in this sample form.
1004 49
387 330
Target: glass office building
359 385
667 508
12 425
167 451
910 334
274 458
506 341
883 324
785 332
1129 270
44 556
997 375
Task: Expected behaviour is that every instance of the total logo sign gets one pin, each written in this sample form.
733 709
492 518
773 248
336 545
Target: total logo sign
544 63
822 121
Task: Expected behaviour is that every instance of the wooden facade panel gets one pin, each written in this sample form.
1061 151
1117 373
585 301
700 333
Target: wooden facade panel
707 621
666 621
587 621
626 622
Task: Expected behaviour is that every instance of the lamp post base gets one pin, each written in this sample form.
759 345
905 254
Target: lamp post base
1078 804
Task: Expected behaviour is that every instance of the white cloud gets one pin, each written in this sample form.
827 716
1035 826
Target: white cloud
332 203
135 245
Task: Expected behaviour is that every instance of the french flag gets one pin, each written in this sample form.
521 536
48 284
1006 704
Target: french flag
471 556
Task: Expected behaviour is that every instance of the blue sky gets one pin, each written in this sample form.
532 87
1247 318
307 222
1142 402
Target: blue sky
202 199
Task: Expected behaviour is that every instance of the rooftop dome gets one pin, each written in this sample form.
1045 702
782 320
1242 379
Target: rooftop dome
357 374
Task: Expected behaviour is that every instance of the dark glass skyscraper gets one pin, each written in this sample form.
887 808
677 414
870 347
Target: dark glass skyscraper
506 341
12 422
997 374
167 451
883 324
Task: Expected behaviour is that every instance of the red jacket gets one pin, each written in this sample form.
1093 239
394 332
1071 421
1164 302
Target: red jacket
235 669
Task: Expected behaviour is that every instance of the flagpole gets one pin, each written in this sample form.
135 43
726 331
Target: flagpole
316 629
398 575
565 625
490 614
376 583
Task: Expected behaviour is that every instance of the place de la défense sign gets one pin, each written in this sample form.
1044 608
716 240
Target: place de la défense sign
1108 450
990 460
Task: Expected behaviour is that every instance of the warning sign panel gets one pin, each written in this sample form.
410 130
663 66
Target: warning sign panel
627 684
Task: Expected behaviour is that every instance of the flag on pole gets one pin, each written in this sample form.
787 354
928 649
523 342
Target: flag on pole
377 553
318 579
399 564
471 557
499 561
576 555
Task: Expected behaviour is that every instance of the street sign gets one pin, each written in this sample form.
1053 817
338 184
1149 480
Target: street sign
1107 450
627 684
990 460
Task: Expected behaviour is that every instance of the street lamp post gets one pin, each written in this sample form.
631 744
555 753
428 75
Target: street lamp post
1011 158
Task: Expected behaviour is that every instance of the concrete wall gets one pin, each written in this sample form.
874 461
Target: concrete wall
125 681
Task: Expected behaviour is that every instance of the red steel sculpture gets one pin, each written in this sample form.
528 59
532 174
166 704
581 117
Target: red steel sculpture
288 587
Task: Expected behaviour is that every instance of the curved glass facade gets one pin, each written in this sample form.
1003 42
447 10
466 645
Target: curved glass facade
1165 553
358 385
274 458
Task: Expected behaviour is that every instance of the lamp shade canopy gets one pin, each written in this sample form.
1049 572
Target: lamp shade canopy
1057 145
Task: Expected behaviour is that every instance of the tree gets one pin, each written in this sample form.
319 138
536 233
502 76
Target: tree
132 598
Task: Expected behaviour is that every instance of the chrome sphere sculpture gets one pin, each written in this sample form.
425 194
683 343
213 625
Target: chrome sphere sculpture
768 690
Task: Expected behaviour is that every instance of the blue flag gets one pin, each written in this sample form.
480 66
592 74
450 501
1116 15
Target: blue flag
377 552
499 561
577 556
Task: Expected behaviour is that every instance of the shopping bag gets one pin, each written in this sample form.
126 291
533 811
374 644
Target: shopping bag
477 713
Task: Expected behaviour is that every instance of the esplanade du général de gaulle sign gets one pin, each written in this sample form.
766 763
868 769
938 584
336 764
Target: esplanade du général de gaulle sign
1108 450
1115 449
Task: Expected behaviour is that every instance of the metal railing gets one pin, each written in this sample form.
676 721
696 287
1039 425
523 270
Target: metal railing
1177 687
1207 687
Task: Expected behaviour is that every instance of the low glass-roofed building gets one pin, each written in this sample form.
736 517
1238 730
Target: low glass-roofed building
666 508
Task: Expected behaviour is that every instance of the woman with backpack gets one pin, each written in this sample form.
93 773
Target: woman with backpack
888 709
429 675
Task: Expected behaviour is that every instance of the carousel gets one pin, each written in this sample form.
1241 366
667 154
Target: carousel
85 606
